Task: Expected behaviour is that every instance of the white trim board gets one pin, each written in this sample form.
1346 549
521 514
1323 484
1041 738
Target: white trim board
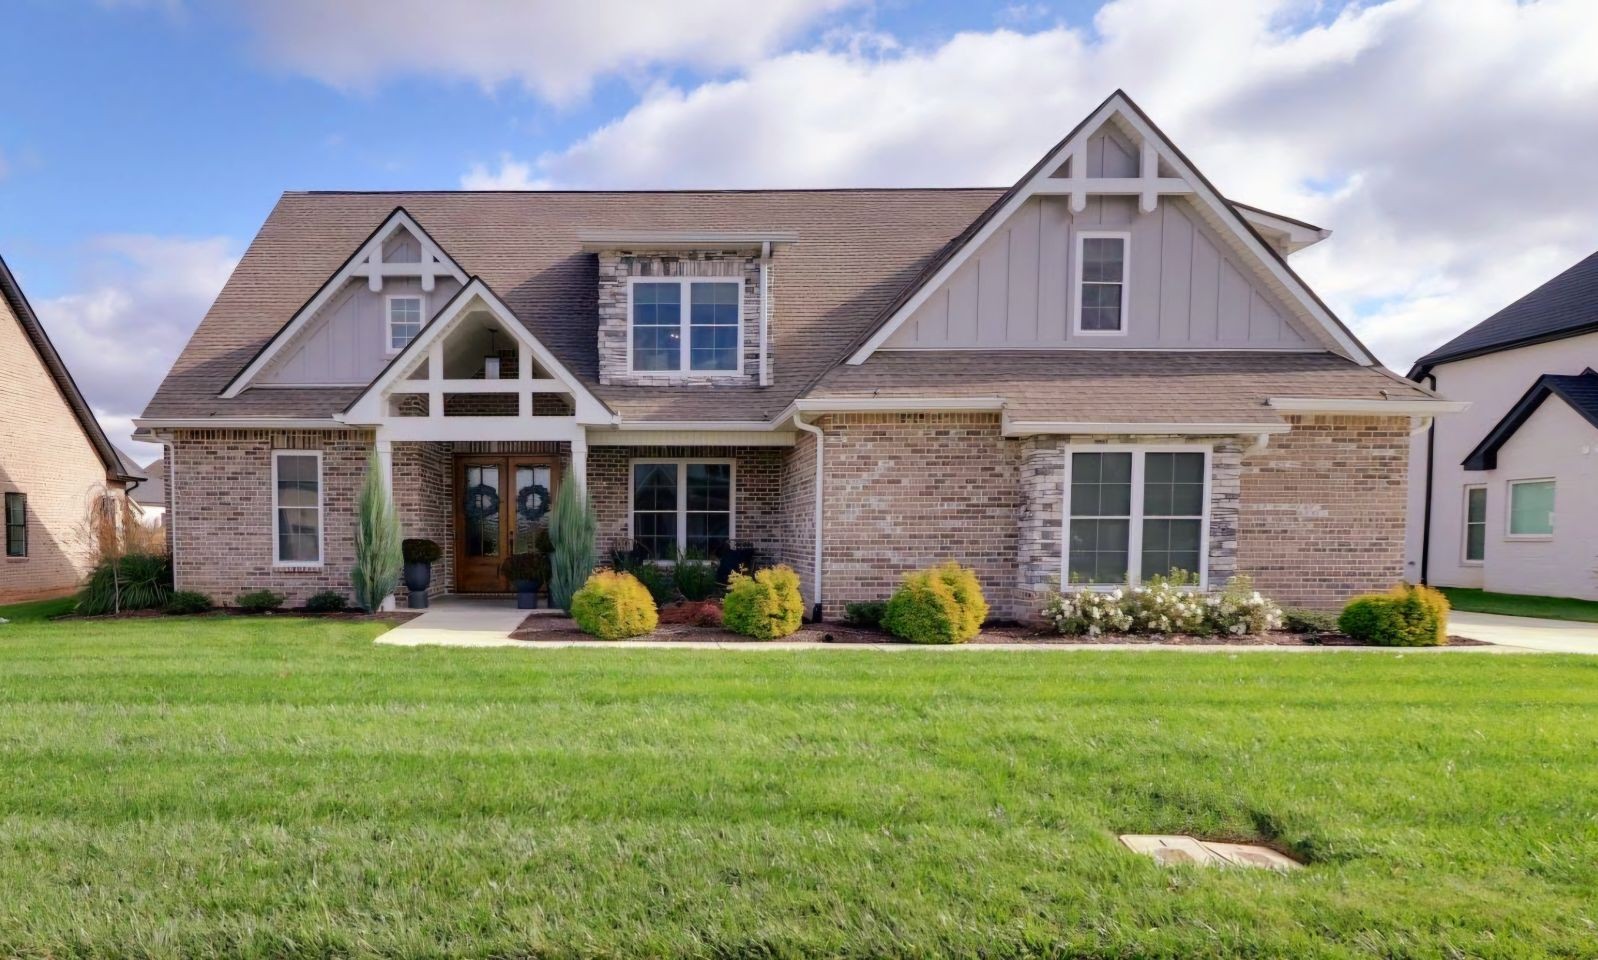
1154 149
367 261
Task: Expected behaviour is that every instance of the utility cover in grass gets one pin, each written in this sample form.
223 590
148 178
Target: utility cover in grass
1169 850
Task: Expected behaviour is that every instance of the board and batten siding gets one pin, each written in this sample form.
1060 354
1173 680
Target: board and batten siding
346 342
1017 290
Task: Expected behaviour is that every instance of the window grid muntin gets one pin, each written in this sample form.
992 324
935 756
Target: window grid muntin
684 513
710 335
404 320
1136 510
1103 275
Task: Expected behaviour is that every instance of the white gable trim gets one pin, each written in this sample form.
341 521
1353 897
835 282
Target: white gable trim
1153 148
369 407
367 262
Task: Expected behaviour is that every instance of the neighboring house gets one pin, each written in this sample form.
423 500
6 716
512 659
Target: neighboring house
151 494
1506 495
54 460
1105 371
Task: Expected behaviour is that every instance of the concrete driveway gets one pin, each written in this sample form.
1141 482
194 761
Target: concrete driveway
1552 636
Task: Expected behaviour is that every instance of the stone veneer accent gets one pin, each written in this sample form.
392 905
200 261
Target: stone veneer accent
756 490
616 266
909 490
1322 514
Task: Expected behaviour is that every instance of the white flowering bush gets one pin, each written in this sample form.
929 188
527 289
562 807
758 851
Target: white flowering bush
1239 609
1087 612
1170 604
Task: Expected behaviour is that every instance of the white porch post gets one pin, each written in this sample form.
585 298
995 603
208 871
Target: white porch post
579 470
385 459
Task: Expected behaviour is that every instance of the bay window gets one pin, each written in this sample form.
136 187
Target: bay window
710 342
1135 513
682 505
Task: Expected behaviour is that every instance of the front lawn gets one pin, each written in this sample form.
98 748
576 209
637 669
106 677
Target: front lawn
1516 605
280 786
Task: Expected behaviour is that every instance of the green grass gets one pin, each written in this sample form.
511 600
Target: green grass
37 611
283 787
1516 605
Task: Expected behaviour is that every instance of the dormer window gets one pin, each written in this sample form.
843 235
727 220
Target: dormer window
711 344
404 321
1101 288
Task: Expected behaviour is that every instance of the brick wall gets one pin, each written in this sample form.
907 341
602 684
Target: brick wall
616 266
798 509
424 481
44 455
905 491
757 489
222 522
1322 514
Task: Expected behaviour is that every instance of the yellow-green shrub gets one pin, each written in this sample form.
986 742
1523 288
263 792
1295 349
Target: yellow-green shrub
613 605
765 606
1406 616
943 604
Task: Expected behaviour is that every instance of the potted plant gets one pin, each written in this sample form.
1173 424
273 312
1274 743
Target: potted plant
526 572
419 558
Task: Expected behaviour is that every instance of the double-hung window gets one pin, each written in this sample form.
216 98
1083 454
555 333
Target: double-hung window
296 508
1135 513
1102 291
682 506
404 321
1475 523
16 519
686 325
1531 509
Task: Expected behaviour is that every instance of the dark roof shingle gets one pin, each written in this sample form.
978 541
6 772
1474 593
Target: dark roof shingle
1565 306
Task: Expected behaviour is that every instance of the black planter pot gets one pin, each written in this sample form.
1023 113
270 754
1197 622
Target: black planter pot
526 594
418 576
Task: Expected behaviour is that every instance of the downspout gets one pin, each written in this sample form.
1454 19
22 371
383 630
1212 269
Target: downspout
1426 509
815 576
765 311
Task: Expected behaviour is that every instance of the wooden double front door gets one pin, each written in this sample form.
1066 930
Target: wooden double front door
500 504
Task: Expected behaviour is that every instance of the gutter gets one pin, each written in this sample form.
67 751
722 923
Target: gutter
241 423
815 431
765 312
1397 408
1426 508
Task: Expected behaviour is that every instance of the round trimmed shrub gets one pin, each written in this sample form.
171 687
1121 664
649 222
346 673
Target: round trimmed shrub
259 601
766 606
1407 616
419 550
328 601
943 604
613 605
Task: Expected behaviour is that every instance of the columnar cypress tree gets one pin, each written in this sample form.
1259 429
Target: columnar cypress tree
377 541
572 528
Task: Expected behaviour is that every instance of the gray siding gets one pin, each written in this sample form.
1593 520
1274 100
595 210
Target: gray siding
345 342
1187 289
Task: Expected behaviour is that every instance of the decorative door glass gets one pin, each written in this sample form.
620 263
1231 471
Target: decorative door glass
533 500
481 507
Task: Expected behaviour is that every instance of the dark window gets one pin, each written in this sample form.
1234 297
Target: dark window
16 524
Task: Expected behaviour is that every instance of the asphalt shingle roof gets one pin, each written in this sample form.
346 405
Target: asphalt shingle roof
1565 306
1579 390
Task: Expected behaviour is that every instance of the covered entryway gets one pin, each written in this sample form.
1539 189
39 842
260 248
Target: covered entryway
500 504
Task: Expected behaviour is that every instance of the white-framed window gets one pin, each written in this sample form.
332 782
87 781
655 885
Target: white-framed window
1531 509
1134 512
682 505
1474 549
296 508
685 325
1103 282
404 320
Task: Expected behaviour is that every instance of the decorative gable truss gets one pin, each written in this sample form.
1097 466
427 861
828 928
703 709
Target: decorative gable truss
475 372
1162 171
399 247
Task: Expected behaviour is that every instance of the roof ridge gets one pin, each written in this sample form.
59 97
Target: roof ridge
642 191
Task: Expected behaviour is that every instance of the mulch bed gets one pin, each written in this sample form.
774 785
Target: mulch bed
544 627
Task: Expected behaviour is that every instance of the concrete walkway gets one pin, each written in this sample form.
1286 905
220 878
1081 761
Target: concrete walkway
460 622
1526 633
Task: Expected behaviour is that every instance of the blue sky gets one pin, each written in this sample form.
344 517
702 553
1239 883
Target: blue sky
142 143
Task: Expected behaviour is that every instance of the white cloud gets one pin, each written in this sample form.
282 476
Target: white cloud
510 175
555 50
1444 142
138 300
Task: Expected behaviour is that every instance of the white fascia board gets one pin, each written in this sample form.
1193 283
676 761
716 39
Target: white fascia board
369 407
1295 235
722 426
399 218
240 423
1397 408
893 405
1028 428
691 438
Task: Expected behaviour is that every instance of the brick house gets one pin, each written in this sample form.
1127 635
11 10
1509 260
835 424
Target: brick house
54 460
1104 371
